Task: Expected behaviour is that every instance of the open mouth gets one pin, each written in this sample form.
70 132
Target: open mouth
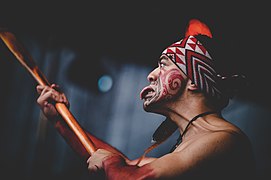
147 93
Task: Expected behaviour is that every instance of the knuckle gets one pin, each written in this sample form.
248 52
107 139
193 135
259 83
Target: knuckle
51 93
46 88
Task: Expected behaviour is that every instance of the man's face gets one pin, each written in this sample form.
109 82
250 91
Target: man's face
166 82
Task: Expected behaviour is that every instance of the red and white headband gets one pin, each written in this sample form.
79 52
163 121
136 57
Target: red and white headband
194 60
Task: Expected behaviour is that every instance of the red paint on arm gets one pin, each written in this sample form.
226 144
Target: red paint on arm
77 146
116 168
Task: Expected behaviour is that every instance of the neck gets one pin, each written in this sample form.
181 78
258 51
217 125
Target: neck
186 109
179 140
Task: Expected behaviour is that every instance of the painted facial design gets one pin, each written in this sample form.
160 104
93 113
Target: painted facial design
165 84
170 83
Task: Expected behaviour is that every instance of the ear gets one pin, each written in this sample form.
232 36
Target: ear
191 86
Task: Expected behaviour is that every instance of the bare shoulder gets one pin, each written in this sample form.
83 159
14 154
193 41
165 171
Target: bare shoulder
220 141
216 151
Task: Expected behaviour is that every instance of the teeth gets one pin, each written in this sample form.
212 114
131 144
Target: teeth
146 93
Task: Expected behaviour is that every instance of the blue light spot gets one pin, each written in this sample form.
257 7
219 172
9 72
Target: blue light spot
105 83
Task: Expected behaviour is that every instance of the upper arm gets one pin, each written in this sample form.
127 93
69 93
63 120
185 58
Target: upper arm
141 162
197 154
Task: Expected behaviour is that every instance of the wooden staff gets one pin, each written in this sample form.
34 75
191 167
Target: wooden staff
26 60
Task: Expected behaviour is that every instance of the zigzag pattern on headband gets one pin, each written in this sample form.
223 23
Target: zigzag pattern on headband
195 61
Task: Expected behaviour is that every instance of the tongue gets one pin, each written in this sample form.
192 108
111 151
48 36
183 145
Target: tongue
144 92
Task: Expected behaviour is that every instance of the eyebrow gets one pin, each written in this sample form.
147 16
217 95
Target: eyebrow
162 57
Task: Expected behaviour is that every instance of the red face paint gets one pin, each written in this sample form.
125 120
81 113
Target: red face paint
167 85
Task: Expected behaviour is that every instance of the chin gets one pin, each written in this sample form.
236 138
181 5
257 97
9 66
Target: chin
153 108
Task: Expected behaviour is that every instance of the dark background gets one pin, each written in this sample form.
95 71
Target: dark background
134 30
125 33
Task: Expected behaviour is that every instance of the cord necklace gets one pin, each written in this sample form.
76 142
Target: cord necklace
179 140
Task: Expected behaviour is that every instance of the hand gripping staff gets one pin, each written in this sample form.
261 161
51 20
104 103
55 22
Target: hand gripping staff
26 60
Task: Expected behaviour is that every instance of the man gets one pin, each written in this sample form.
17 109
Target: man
185 88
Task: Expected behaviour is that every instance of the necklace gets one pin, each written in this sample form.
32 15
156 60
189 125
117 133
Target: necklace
179 140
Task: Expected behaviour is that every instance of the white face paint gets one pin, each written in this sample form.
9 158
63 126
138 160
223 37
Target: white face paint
165 83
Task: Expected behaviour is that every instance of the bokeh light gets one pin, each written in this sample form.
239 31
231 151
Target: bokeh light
105 83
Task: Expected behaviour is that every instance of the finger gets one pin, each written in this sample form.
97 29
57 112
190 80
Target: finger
65 100
39 88
49 96
56 94
92 166
57 87
62 97
45 89
42 100
53 85
89 160
42 103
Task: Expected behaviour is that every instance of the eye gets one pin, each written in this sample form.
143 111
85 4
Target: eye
162 64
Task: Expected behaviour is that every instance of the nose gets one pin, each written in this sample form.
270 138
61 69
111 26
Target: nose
153 75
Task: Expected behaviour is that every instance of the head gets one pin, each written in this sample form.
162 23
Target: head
167 82
185 61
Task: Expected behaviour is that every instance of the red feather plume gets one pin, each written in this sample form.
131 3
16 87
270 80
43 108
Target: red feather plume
196 27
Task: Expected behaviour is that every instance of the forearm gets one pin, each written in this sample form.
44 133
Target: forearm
75 143
115 168
70 138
